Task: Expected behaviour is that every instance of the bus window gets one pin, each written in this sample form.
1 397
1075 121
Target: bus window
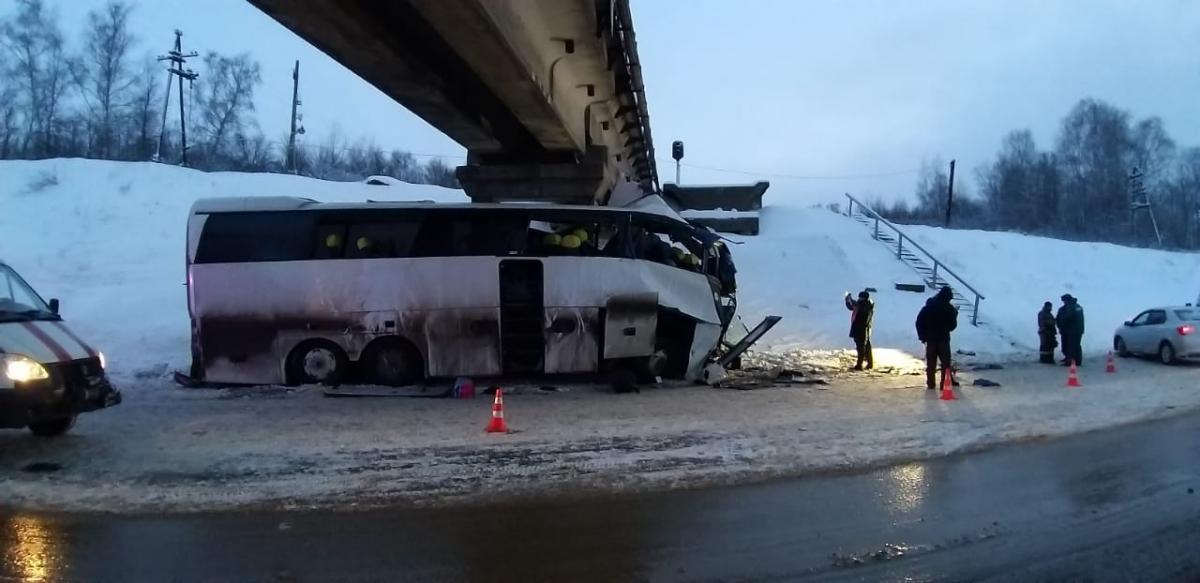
480 235
260 236
331 240
390 239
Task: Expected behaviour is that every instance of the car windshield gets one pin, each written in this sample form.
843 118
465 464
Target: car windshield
18 300
1188 315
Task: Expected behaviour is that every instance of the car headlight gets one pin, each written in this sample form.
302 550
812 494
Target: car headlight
20 368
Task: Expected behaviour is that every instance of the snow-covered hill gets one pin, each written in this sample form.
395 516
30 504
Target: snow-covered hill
107 238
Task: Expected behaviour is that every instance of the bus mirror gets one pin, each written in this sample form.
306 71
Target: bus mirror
54 305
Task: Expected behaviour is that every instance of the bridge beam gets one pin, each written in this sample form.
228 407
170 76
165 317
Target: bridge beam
519 83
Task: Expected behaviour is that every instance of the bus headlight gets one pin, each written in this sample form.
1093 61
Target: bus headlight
20 368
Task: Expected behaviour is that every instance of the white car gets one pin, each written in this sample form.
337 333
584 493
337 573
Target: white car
1170 333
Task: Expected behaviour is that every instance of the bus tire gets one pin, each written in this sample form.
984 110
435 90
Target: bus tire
391 361
52 427
317 362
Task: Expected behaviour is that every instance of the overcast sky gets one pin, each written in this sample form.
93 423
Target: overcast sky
789 88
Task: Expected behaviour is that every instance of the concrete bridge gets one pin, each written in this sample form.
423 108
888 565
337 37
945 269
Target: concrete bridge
546 95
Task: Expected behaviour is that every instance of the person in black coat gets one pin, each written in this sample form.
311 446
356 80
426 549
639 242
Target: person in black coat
861 318
935 322
1047 333
1070 326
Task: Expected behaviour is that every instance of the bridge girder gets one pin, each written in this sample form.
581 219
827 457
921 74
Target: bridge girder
518 83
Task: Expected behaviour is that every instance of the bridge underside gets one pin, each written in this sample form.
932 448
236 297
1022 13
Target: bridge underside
545 95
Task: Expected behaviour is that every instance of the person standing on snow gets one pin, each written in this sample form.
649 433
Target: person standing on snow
1070 326
935 322
1047 332
861 317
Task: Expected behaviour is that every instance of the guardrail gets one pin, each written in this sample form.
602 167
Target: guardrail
901 238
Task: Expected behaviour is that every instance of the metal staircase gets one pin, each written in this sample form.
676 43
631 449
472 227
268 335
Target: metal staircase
933 272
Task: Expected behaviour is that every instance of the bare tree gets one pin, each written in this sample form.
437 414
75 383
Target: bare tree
145 109
1009 185
104 76
226 100
40 68
1093 152
402 166
440 174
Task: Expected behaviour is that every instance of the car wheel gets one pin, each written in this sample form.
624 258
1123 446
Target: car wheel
317 363
1119 346
393 363
52 427
1166 353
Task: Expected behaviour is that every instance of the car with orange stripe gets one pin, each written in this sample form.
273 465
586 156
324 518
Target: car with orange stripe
48 374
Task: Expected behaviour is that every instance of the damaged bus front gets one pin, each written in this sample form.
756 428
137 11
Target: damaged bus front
288 290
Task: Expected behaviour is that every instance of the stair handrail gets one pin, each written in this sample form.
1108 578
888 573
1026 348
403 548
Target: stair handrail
900 244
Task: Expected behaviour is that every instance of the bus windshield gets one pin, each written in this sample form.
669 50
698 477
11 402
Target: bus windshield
18 301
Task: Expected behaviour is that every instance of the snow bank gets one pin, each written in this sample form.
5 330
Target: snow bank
107 239
1018 272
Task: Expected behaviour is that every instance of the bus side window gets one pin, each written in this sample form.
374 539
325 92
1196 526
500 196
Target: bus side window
331 241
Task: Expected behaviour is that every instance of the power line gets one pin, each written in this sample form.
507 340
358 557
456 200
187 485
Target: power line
804 177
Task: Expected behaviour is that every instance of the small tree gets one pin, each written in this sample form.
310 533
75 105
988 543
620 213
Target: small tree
104 76
440 174
225 104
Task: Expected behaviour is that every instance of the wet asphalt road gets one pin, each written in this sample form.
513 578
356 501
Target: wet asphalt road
1117 505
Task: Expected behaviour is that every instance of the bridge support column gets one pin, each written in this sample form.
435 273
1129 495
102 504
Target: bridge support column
584 182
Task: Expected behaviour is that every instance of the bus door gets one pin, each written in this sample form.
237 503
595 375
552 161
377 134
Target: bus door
522 313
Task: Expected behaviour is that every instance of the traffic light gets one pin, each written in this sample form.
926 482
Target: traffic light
677 150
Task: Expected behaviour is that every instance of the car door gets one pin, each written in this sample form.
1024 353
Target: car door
1134 333
1155 331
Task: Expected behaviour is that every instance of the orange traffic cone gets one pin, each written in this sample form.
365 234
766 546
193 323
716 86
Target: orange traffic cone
1073 376
497 425
947 388
1111 366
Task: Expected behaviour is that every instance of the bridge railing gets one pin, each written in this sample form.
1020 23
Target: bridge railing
901 238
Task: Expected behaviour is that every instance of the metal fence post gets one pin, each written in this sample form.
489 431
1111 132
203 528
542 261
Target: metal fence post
900 246
975 314
850 207
876 227
935 266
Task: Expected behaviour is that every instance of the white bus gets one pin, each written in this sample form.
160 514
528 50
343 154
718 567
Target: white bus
290 290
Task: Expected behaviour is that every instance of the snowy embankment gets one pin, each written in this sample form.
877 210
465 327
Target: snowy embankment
806 259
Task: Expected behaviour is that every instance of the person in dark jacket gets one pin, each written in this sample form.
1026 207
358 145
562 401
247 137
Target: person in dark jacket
1070 326
862 315
935 322
1047 332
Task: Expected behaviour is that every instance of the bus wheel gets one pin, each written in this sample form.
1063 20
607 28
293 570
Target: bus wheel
392 362
52 427
317 362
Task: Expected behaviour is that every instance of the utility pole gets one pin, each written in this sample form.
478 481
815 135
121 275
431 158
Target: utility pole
296 128
1139 199
178 69
950 194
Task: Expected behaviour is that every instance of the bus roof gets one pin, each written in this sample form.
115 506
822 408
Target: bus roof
649 205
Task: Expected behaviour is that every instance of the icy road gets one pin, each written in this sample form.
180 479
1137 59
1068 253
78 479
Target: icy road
187 450
1119 505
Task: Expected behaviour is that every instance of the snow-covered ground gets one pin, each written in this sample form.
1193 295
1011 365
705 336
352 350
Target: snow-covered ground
176 450
108 240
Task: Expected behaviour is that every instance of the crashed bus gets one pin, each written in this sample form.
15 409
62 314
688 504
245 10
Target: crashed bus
285 290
